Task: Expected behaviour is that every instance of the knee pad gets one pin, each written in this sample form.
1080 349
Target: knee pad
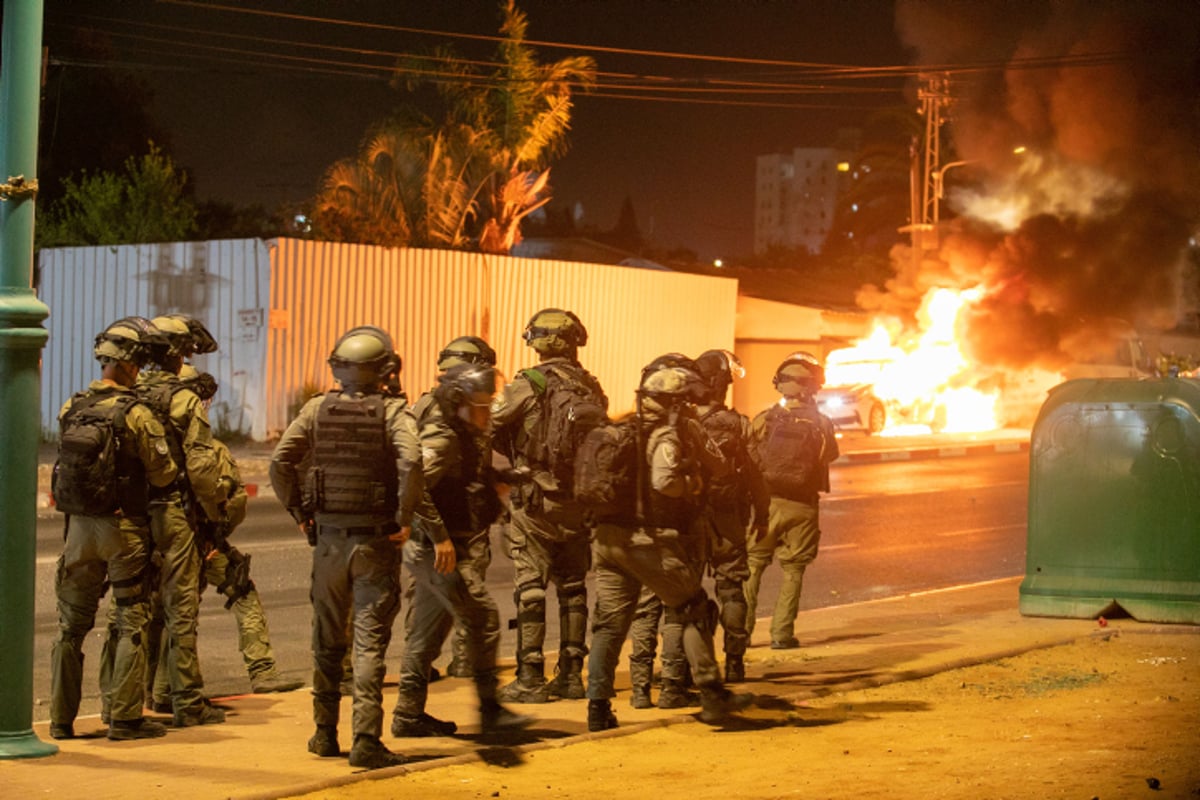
531 595
730 592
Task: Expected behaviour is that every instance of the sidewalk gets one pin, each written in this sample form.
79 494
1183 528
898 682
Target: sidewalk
260 751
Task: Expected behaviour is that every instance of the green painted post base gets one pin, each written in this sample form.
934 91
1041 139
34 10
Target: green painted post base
25 745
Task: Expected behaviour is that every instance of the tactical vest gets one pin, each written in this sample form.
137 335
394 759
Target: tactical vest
352 471
465 499
98 472
158 397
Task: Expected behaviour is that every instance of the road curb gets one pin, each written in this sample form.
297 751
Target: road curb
919 453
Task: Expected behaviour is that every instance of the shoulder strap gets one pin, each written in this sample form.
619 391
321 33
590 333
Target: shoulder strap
537 379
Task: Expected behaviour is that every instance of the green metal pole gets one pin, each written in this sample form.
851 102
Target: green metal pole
22 338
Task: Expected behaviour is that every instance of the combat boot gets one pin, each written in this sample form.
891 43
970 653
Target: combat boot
370 753
423 725
271 681
718 703
568 682
62 730
735 669
530 686
204 714
459 668
324 742
495 718
127 730
673 695
600 715
640 697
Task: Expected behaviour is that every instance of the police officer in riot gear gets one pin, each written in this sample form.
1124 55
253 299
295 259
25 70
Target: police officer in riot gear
226 569
430 421
108 530
356 503
447 562
175 512
547 538
793 444
655 544
731 502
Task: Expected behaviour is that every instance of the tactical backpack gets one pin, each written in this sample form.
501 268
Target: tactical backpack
572 403
606 471
90 476
791 454
724 428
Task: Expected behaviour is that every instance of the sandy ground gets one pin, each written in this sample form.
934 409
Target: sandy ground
1108 717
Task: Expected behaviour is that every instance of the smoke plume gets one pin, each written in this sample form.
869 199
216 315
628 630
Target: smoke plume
1094 222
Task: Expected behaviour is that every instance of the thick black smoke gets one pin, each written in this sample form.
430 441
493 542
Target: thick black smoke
1109 196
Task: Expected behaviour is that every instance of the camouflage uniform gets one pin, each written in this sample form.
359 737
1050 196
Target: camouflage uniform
356 566
115 549
793 533
548 542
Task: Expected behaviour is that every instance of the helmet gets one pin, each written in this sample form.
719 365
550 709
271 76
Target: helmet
184 336
128 339
717 368
474 383
671 377
364 356
799 374
466 350
554 331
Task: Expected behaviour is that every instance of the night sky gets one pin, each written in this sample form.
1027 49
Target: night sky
250 131
259 106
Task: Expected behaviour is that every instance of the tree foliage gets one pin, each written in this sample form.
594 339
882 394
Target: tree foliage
467 159
147 202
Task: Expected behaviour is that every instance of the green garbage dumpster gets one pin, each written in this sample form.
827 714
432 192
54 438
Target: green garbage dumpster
1114 501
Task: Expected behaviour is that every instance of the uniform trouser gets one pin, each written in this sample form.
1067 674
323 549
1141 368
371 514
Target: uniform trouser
96 549
730 569
643 638
179 592
458 641
665 562
254 640
547 548
793 535
441 602
356 578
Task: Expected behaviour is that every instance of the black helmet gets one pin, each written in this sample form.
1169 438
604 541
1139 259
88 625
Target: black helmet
799 374
553 331
364 357
466 383
718 369
184 336
129 339
466 350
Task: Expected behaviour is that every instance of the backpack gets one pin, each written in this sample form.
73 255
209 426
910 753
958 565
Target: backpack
572 404
606 471
791 453
724 427
87 476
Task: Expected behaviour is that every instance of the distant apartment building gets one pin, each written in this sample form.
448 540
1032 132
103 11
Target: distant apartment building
796 194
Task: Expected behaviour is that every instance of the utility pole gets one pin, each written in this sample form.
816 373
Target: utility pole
22 338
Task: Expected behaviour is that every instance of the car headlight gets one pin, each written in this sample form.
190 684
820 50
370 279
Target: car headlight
834 401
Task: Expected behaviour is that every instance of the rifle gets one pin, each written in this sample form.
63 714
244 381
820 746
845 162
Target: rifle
237 583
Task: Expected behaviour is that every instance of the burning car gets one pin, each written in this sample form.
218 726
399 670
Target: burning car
853 405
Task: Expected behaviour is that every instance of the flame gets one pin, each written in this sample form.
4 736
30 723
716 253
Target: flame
923 377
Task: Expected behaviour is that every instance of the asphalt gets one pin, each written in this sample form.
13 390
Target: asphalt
260 751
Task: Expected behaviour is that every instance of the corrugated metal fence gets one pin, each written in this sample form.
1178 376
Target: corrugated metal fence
277 307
